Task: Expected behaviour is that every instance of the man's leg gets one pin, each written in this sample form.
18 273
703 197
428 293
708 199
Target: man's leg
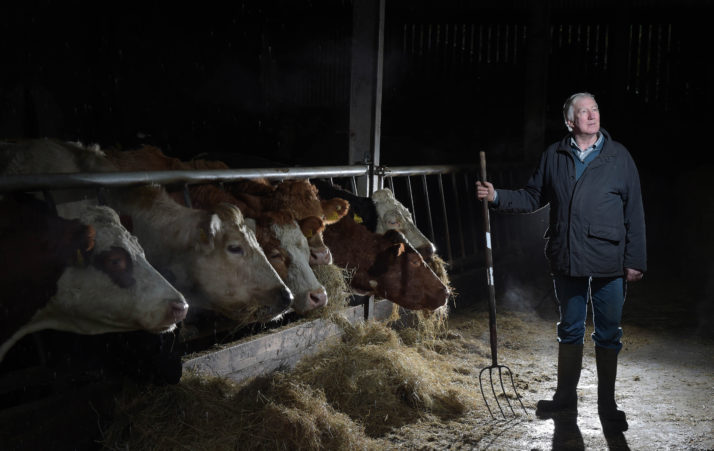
572 296
608 297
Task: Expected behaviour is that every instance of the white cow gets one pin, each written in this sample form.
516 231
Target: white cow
210 255
393 215
86 276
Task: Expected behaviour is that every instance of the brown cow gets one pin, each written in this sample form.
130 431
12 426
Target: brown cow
385 265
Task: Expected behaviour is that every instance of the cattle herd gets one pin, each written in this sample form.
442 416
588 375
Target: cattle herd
146 259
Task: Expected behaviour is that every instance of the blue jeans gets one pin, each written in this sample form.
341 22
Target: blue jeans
607 296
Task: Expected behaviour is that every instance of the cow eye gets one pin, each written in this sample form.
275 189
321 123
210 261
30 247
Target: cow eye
275 254
235 249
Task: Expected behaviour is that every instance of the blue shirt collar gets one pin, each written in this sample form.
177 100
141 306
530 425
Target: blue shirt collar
582 154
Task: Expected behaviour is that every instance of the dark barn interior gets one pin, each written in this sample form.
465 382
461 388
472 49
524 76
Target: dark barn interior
268 84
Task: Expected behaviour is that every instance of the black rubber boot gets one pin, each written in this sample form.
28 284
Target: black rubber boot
610 417
565 399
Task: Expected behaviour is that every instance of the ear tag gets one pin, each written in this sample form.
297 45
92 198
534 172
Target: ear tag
373 283
79 258
308 234
358 219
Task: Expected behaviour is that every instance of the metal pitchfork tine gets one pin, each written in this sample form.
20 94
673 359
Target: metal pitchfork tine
492 317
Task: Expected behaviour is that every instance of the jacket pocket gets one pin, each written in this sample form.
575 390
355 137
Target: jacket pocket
605 232
603 250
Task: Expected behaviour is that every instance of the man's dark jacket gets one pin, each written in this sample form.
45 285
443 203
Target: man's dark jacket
597 223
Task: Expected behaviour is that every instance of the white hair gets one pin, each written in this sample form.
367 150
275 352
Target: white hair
568 114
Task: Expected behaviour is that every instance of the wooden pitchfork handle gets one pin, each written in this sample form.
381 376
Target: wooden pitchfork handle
489 269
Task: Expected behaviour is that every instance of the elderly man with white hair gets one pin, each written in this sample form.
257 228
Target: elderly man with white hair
596 245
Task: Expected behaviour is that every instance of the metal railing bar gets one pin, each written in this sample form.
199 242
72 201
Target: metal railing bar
89 179
426 170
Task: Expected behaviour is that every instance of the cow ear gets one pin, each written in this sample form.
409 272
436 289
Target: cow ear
397 249
208 230
395 236
311 226
334 209
85 243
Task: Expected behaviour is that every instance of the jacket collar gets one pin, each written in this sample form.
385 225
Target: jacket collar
607 153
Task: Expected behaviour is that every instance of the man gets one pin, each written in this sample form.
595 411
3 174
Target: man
596 244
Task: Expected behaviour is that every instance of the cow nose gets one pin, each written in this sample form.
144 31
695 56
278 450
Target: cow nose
320 256
317 298
427 252
178 309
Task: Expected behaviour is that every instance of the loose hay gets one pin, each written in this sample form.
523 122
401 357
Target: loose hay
213 413
438 265
335 280
375 379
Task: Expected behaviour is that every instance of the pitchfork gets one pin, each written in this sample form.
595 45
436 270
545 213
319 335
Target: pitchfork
492 317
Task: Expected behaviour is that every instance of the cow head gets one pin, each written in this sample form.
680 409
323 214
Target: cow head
309 293
400 274
393 215
107 286
385 265
301 199
233 272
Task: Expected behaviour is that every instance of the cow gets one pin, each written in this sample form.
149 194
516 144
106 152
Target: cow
300 198
212 257
385 265
278 233
86 275
283 239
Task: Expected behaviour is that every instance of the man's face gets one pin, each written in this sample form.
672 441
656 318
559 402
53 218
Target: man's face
586 117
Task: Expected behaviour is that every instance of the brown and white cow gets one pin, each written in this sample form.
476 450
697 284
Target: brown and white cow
385 265
277 232
86 275
300 198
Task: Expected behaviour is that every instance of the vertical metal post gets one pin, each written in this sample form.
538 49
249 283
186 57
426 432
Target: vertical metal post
447 235
187 196
411 199
428 207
